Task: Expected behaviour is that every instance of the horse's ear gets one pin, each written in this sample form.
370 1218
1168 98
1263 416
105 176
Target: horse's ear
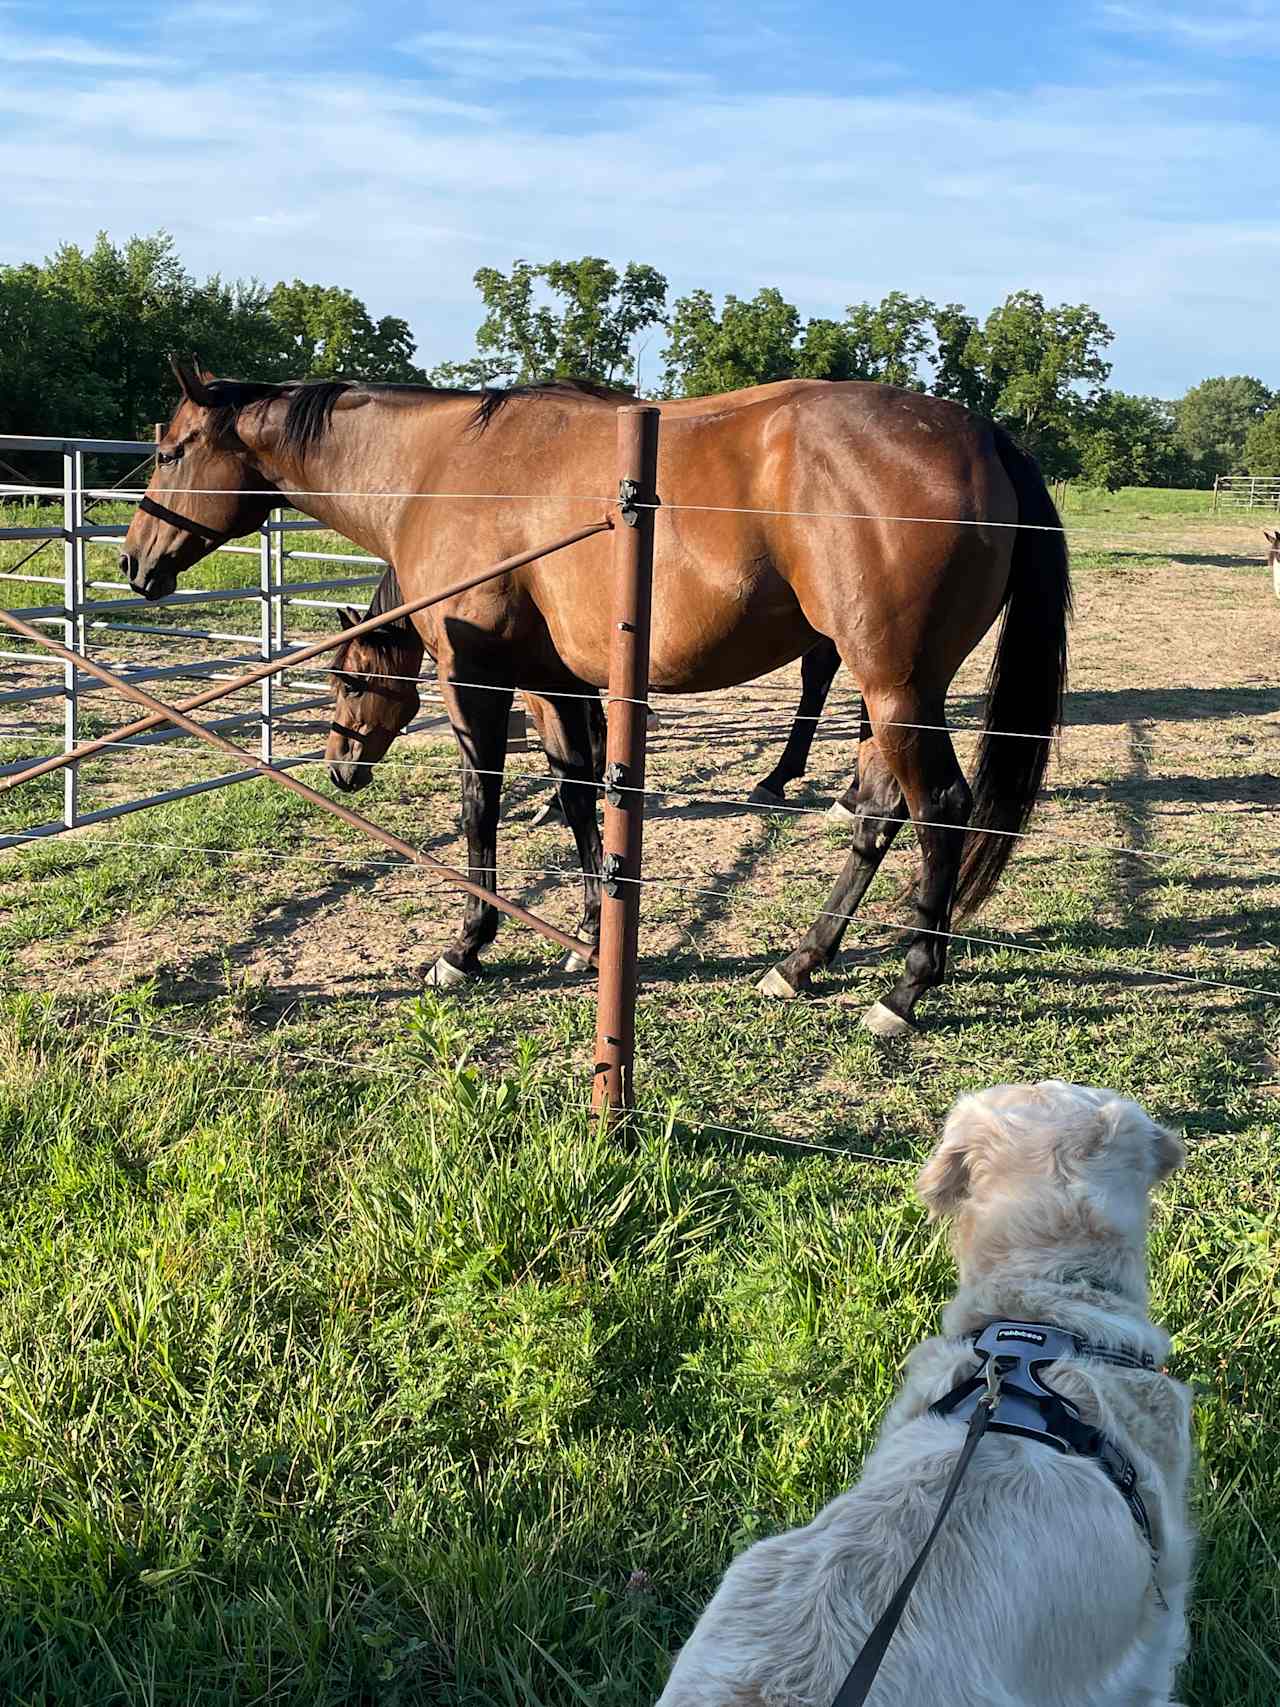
349 617
194 383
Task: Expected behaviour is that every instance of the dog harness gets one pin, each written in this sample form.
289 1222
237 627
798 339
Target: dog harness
1009 1395
1030 1407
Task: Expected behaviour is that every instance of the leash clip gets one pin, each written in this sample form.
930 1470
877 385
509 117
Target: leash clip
996 1370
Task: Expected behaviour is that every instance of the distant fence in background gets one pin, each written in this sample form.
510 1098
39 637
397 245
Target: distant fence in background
1247 492
93 605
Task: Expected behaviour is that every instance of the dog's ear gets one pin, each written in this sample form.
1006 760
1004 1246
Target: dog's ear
1127 1124
943 1182
1168 1151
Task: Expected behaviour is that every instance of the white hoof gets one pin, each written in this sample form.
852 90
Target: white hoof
444 975
839 813
774 984
575 962
762 796
549 813
881 1021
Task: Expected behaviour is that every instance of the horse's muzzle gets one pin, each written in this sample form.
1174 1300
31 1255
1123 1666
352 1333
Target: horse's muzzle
350 778
153 582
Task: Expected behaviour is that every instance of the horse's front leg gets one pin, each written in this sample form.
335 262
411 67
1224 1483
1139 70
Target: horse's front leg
818 670
480 717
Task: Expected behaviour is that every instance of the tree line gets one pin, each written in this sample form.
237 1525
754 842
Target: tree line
84 338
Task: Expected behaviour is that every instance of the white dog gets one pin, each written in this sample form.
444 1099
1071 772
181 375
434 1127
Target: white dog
1042 1589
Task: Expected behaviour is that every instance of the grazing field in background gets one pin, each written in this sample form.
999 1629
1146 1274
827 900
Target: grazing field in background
342 1360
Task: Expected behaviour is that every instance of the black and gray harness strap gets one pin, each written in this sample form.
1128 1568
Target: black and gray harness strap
854 1689
1011 1356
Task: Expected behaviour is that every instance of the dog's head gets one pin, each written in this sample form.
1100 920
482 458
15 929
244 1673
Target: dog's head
1051 1179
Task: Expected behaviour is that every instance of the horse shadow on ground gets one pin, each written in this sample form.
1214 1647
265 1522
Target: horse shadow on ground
1245 560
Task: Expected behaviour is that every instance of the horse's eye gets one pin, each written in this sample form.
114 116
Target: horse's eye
167 457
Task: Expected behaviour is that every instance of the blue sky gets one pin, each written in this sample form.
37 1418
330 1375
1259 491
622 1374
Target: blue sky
1119 152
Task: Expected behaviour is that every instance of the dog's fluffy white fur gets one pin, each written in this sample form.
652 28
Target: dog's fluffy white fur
1040 1591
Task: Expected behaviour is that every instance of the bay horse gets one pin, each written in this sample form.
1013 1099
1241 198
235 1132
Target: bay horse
897 525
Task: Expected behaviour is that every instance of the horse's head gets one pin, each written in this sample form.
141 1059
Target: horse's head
206 488
1273 547
375 696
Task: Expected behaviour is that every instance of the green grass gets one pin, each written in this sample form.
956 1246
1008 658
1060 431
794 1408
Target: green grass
413 1386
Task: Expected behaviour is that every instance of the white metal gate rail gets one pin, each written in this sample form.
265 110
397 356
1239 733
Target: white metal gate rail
1247 491
82 614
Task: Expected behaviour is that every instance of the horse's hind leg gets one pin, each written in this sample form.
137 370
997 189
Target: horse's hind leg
924 762
845 810
480 718
879 812
904 766
817 672
569 738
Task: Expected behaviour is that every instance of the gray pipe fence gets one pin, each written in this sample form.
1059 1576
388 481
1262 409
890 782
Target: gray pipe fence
91 604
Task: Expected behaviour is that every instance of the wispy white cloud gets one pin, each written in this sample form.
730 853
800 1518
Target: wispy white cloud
1252 28
539 53
1152 204
69 51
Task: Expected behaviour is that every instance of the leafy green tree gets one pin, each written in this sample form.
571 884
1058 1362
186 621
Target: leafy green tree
958 371
85 336
748 343
892 339
47 383
1214 419
827 351
1039 369
1262 444
327 331
133 303
1122 440
757 341
560 319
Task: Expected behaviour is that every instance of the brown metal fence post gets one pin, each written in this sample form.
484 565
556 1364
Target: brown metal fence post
611 1087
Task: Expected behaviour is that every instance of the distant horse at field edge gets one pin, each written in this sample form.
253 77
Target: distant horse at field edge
894 524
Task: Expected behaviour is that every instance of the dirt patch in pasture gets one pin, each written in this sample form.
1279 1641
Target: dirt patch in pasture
1172 750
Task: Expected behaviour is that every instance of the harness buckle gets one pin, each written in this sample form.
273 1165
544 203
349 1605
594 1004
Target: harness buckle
995 1370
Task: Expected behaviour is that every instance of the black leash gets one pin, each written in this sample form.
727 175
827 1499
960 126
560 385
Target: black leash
855 1688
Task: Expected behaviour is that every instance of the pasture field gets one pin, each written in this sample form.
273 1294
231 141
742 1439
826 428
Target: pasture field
344 1360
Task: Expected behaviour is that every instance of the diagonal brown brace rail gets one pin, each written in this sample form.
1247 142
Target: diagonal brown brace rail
161 713
260 672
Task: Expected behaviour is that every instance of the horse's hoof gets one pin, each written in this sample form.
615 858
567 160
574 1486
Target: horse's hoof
839 813
762 796
548 813
575 962
774 984
881 1021
444 975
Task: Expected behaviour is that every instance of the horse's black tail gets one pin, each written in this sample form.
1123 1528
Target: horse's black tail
1025 688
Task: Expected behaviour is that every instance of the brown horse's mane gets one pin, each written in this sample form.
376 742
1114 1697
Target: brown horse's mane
311 402
388 642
